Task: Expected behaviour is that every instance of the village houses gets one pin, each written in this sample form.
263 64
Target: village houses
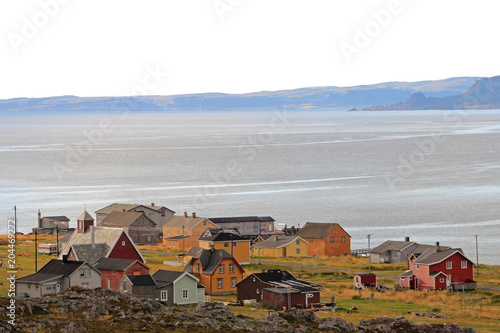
325 239
183 232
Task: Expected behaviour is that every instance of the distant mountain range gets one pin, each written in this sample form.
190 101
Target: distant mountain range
453 93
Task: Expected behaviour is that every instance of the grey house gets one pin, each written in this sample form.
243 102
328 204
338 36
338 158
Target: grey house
139 285
175 287
137 225
57 276
398 251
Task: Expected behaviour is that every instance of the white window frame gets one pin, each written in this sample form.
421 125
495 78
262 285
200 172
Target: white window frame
197 267
297 242
343 239
464 264
231 268
418 266
220 283
449 265
222 269
123 243
441 280
297 250
233 282
164 295
185 293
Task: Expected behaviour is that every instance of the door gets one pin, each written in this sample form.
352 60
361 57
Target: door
109 283
284 252
448 281
58 288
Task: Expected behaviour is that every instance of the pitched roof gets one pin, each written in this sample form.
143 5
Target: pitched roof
90 253
277 241
141 280
85 216
241 219
391 245
56 218
188 222
221 235
53 269
162 275
118 207
284 279
114 264
123 219
431 256
317 230
209 259
102 235
407 274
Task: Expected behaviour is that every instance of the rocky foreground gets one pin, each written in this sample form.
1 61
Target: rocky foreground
105 310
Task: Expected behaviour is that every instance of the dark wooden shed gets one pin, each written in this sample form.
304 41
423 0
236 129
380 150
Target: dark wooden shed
365 281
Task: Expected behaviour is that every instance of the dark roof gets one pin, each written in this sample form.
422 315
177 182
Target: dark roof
316 230
118 207
407 274
142 280
284 279
431 256
114 264
366 275
124 219
53 269
162 275
56 218
209 259
90 253
436 273
278 290
393 246
177 237
221 235
240 219
275 275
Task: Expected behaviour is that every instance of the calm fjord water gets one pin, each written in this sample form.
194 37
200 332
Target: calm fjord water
433 176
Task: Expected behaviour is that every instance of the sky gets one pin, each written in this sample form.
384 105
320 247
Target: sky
165 47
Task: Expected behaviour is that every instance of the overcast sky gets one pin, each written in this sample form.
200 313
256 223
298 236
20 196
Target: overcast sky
109 48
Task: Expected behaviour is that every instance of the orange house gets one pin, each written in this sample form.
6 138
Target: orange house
217 270
325 239
182 232
229 240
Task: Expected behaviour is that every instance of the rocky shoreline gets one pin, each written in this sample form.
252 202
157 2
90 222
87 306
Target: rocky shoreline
104 310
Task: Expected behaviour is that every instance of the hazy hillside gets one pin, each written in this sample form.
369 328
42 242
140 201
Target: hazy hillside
315 97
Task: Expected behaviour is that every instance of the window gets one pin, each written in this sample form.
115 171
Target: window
85 272
233 282
395 255
151 215
226 244
123 243
164 295
270 227
343 239
85 284
464 263
231 268
197 267
418 266
297 242
29 286
257 291
205 222
184 294
222 268
441 280
178 233
255 229
449 265
234 244
297 251
174 243
310 240
219 283
332 240
168 231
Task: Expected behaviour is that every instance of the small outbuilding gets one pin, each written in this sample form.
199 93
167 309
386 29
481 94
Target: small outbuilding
365 281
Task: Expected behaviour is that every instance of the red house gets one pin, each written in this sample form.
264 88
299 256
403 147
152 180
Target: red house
438 269
89 243
365 281
113 270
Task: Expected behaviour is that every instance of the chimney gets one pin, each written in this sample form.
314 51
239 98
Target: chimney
152 204
212 248
39 219
437 246
185 214
194 214
437 243
407 239
65 258
92 235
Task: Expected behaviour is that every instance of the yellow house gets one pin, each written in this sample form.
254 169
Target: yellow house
229 240
281 246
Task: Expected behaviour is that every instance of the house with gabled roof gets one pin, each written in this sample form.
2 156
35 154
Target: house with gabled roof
174 287
113 270
398 251
217 270
278 289
437 269
53 225
139 285
325 239
183 232
138 226
158 214
89 243
281 246
56 276
248 226
229 240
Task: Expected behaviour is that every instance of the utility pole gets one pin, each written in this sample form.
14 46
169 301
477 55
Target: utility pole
15 224
369 256
36 251
183 239
231 238
57 240
477 258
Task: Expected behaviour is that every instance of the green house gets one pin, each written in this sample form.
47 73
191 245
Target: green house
173 287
